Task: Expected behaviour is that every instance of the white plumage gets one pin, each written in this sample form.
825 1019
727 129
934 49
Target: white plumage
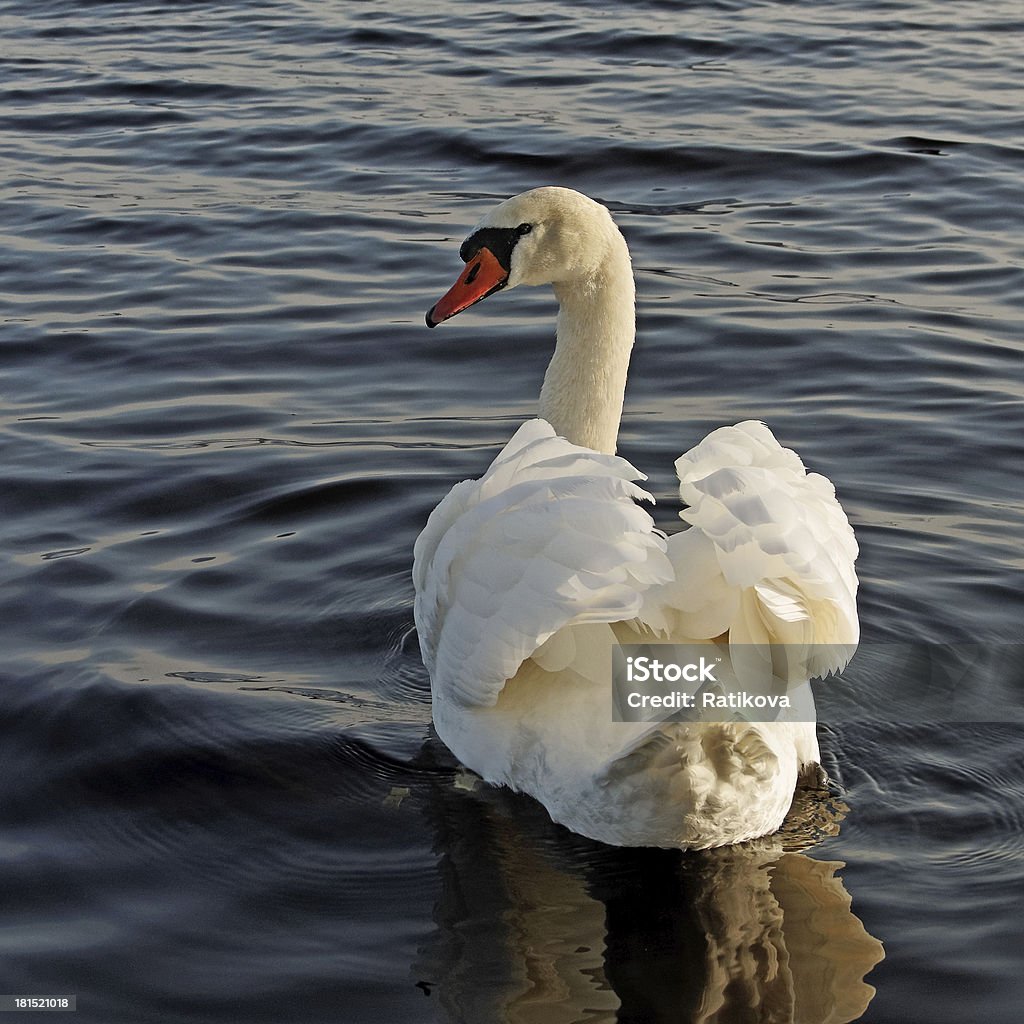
526 578
549 536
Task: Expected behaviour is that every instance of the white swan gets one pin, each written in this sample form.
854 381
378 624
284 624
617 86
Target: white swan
526 577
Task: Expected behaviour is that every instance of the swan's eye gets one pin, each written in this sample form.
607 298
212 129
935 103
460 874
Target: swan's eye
524 229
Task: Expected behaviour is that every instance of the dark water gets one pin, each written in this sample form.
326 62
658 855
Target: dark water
224 422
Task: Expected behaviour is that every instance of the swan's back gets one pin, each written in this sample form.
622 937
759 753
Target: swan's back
527 577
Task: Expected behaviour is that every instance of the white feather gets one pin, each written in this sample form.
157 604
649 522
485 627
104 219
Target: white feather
550 536
776 538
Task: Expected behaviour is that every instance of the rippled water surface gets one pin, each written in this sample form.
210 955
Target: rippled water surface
224 423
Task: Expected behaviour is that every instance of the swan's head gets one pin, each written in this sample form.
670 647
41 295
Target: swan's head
545 236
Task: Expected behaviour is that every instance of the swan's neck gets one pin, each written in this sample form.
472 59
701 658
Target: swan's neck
586 379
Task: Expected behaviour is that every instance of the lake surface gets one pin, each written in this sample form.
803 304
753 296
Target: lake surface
224 423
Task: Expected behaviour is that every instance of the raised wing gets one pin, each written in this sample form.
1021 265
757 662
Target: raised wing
550 536
769 556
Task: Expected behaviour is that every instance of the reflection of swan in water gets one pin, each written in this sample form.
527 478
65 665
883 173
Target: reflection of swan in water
538 925
527 577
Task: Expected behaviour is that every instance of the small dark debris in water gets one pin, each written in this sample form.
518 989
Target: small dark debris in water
205 558
426 986
64 553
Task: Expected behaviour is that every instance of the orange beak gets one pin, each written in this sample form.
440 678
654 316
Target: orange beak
482 276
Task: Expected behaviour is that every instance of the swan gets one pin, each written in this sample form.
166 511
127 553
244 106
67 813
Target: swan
527 578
